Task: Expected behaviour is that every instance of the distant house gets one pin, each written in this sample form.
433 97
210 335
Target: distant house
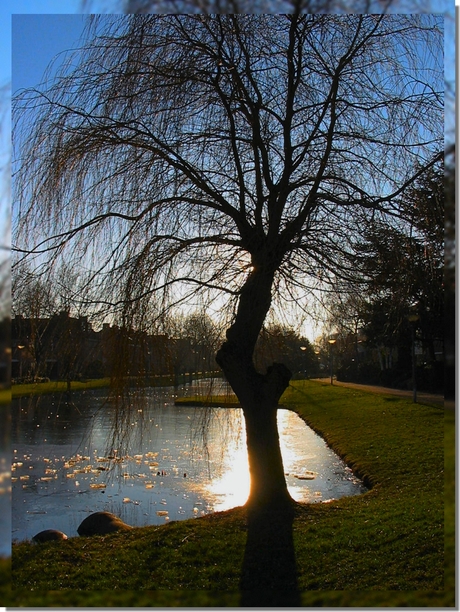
48 347
62 346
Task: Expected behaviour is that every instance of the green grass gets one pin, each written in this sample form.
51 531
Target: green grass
42 388
392 546
57 386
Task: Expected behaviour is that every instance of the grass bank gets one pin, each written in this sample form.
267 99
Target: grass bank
384 548
57 386
62 386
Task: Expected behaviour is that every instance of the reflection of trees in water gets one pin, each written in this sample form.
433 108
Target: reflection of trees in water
53 417
129 419
214 423
5 427
132 420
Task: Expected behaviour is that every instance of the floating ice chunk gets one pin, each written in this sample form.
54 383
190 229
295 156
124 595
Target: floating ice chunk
306 475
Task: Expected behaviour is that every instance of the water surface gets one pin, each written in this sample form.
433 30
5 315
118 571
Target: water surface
181 462
5 504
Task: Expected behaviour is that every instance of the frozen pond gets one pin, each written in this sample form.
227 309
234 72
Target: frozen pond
5 504
181 462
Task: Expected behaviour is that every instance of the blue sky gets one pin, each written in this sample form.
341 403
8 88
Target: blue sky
47 35
10 7
42 43
48 40
57 27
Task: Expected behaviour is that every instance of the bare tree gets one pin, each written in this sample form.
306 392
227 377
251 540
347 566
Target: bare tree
5 188
239 155
32 297
268 6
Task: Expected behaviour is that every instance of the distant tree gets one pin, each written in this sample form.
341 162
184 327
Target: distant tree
405 265
44 308
204 337
35 300
404 268
239 155
33 296
450 336
344 306
425 205
279 343
194 340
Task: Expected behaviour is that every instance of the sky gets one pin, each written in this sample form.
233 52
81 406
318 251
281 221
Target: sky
44 42
42 29
48 35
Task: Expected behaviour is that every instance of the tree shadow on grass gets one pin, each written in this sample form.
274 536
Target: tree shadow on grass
269 571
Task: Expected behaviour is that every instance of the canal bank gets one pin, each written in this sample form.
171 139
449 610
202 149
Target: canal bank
354 551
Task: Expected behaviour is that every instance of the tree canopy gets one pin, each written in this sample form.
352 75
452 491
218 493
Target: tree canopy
182 145
243 156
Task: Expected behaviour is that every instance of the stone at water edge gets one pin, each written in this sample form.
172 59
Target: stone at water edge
101 523
49 535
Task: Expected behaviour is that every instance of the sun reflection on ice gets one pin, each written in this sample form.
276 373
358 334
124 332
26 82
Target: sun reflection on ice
231 488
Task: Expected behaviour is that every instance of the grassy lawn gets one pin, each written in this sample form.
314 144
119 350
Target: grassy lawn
393 546
59 386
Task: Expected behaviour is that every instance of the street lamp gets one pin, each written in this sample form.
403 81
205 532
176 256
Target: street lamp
317 362
413 318
303 349
331 341
20 348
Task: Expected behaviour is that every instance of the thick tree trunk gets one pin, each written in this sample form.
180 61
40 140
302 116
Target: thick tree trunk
268 484
258 393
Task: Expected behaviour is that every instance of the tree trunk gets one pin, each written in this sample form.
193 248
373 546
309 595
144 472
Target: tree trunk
268 484
258 393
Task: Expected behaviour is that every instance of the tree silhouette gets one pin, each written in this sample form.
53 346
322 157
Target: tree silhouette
238 155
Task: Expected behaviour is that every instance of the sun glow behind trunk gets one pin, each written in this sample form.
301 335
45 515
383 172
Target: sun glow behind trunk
305 457
232 487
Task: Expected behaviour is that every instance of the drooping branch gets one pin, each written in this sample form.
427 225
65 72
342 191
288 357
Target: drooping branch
253 135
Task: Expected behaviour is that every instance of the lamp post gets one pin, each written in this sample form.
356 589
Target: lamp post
413 318
20 348
304 360
331 341
317 362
